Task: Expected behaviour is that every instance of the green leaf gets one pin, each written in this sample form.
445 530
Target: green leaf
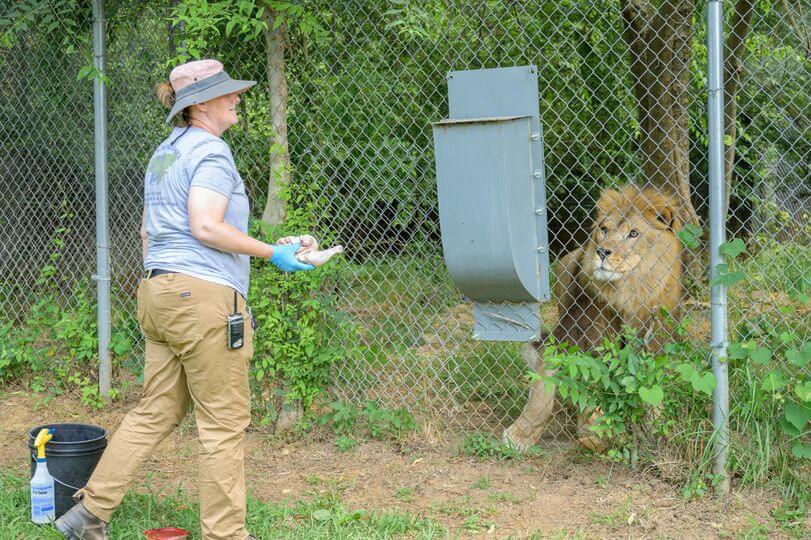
801 450
737 351
774 381
789 428
787 337
733 248
84 72
793 356
652 395
803 391
703 383
728 140
122 347
726 279
797 414
686 371
689 235
761 355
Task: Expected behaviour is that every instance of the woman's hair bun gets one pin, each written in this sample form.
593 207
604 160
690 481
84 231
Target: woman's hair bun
166 94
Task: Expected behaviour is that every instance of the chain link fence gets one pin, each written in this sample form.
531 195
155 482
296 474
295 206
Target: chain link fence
623 99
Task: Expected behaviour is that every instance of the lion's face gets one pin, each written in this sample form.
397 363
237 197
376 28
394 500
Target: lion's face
619 245
631 239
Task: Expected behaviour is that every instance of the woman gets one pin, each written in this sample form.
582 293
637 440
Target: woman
190 302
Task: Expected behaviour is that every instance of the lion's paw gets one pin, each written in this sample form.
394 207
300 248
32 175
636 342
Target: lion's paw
517 439
593 443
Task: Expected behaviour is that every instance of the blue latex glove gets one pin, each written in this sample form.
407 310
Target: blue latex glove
284 258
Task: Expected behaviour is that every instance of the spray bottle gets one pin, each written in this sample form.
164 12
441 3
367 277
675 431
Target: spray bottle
43 508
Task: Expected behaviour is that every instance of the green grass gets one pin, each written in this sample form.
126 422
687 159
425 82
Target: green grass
493 373
397 297
318 516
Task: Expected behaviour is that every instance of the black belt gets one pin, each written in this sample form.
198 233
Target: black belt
156 272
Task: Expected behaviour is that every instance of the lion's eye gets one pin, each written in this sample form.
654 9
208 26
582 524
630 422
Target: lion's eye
633 233
603 230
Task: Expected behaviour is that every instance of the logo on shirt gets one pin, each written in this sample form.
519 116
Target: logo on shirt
159 165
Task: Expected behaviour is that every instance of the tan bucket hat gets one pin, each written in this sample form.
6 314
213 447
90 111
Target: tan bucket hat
200 81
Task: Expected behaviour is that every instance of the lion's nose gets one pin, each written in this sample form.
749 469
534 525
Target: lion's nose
603 253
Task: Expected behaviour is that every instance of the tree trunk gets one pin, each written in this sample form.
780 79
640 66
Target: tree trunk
276 39
660 48
733 62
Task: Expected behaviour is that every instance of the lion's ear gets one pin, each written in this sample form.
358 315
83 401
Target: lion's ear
663 217
607 202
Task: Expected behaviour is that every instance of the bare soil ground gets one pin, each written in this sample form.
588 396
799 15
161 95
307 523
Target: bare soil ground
561 495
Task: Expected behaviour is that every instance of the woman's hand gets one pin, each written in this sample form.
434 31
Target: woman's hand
284 258
308 243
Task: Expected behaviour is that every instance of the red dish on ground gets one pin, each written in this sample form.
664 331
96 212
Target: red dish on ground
167 533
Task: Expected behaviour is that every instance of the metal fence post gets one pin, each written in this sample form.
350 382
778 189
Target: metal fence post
718 293
102 226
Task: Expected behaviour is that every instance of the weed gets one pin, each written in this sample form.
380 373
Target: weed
754 531
389 423
560 534
504 497
380 423
313 479
405 494
345 443
298 325
482 483
791 515
487 446
475 523
617 518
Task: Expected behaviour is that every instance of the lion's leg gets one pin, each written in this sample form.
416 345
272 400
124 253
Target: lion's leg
586 438
529 426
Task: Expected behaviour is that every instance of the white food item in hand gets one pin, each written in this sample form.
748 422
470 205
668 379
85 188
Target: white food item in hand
308 252
316 257
308 243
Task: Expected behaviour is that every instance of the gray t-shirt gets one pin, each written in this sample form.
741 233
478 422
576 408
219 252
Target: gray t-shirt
193 157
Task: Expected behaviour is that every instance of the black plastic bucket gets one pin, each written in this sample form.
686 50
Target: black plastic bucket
72 453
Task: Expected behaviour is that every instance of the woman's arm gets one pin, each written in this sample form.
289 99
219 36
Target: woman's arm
207 222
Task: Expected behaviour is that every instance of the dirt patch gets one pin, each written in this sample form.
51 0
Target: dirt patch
560 492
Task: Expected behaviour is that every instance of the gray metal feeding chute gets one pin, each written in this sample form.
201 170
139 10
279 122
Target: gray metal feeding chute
492 199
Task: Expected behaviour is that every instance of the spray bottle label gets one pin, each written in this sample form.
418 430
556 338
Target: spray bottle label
42 504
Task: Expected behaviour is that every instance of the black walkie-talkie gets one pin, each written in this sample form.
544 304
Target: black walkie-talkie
236 328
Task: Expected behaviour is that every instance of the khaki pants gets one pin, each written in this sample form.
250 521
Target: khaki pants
187 360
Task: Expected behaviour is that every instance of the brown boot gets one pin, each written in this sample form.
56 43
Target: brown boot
79 524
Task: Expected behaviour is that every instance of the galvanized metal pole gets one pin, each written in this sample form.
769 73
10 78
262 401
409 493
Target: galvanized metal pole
718 293
102 225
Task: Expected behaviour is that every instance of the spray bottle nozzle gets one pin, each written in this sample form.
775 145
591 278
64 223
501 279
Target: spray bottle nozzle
42 439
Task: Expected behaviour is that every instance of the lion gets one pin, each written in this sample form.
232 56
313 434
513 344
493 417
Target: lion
626 272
